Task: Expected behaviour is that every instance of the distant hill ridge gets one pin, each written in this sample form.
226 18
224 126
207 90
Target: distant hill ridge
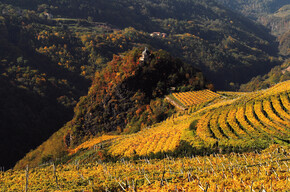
274 14
220 42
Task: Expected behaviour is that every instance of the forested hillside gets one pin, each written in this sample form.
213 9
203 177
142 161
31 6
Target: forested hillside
205 34
37 96
127 87
255 8
274 14
279 21
277 74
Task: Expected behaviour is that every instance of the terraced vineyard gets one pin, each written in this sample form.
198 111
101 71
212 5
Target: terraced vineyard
263 114
163 137
247 119
187 99
229 124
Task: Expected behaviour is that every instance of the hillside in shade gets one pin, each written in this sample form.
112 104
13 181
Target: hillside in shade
276 75
255 8
37 95
205 34
274 14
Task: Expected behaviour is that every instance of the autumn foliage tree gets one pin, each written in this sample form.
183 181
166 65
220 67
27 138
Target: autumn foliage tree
127 93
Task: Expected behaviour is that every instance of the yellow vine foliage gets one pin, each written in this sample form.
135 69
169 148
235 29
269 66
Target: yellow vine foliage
195 97
92 142
268 170
163 137
246 116
251 115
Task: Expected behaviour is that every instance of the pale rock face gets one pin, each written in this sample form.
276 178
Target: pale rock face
145 55
286 70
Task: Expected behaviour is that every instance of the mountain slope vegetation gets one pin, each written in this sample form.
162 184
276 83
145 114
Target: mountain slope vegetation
254 8
109 102
235 122
116 101
37 96
54 57
279 21
276 75
218 41
274 14
248 122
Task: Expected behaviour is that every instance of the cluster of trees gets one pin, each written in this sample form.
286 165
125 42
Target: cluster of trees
125 96
229 59
125 93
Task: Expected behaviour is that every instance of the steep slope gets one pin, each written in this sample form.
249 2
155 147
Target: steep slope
37 96
254 8
276 75
247 122
126 85
124 97
274 14
279 21
26 118
236 122
284 43
257 116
